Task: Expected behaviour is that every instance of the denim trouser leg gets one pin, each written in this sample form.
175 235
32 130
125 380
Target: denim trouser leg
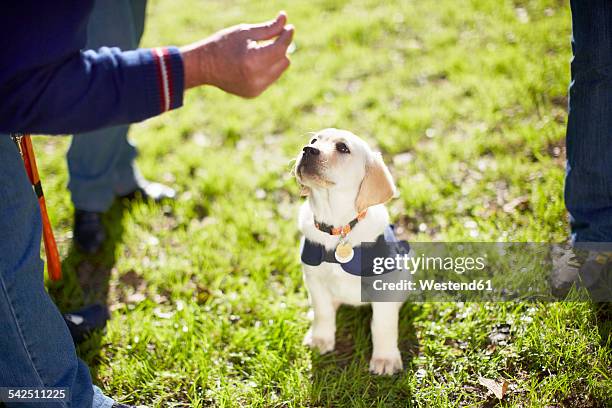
127 177
101 163
36 349
588 186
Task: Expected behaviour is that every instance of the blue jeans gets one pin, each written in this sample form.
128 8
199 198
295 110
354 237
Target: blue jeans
101 163
588 183
36 349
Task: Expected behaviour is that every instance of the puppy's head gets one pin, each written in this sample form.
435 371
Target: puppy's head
338 159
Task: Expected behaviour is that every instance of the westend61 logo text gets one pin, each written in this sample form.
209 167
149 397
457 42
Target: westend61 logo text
411 264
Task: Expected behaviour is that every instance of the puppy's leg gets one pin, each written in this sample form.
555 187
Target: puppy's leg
322 334
386 358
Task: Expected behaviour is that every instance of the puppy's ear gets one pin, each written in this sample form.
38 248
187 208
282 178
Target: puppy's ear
304 191
377 186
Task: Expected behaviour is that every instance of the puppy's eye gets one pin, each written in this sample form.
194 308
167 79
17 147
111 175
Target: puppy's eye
342 148
313 141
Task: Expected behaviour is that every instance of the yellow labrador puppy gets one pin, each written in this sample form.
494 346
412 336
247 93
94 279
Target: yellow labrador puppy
346 184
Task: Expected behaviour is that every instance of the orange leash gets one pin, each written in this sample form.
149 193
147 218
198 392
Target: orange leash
54 265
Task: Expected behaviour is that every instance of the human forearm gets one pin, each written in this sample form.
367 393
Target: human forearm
89 90
93 89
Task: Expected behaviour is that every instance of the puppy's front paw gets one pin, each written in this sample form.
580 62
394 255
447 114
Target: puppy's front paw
324 344
387 364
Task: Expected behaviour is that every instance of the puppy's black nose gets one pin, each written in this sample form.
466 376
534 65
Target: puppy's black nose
309 150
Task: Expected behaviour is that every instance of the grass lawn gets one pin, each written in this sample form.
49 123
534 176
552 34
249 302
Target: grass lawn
467 102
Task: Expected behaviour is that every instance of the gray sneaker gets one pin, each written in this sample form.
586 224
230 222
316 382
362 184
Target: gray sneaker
583 268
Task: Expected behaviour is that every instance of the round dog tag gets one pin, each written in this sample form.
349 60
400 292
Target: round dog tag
344 252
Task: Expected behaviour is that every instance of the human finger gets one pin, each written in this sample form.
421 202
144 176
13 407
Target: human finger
268 30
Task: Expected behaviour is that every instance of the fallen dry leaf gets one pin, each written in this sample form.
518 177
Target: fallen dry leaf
499 389
136 297
520 203
490 349
161 314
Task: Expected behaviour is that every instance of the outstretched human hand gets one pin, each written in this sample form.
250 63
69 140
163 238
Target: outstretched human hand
235 59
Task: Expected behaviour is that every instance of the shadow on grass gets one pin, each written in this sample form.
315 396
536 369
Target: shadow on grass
86 280
342 379
603 312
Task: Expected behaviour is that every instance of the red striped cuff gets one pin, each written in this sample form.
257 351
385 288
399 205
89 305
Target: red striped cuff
165 76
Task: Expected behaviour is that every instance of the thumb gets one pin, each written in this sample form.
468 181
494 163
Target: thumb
271 29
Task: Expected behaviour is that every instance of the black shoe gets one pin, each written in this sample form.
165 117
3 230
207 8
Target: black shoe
89 232
151 191
82 323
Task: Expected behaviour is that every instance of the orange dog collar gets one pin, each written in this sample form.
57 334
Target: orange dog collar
343 230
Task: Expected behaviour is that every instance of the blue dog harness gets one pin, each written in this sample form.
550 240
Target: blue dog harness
386 246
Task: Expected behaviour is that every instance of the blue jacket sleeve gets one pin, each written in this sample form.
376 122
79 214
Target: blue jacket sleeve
92 89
